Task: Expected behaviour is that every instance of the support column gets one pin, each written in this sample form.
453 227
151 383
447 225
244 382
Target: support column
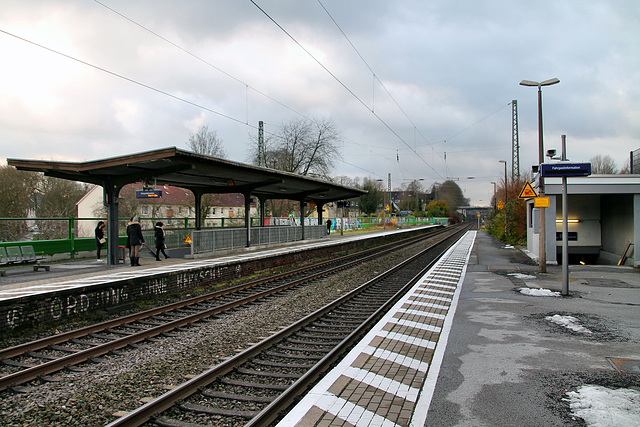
320 207
262 206
247 216
302 217
110 200
198 208
636 230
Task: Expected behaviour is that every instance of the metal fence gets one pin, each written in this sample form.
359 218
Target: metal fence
204 241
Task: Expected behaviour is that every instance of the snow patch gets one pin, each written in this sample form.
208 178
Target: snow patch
521 276
568 322
604 407
539 292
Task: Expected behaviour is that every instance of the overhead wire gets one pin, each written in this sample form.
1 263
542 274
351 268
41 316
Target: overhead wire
342 84
231 76
130 80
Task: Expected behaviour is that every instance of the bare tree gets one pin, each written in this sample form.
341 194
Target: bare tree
17 196
305 147
603 165
206 142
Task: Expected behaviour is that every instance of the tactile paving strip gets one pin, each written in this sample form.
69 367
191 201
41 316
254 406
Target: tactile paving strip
381 380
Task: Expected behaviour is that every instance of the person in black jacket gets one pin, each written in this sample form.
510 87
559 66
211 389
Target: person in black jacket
134 240
100 240
160 246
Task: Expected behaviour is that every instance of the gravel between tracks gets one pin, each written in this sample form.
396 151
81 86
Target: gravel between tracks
123 382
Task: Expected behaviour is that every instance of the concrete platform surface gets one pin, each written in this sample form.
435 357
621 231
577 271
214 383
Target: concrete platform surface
466 347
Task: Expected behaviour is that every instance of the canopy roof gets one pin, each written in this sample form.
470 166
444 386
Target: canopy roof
199 173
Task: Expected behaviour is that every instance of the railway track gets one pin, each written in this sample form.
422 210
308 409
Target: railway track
39 359
255 387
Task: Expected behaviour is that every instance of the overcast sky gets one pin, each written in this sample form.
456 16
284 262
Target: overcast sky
404 81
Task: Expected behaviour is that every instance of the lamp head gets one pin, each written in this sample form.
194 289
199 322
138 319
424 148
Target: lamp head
551 153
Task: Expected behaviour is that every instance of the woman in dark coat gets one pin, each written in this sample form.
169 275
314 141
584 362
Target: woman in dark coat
135 240
100 240
160 241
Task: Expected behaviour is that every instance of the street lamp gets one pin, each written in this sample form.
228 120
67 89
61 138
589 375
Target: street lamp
542 253
506 198
384 207
494 195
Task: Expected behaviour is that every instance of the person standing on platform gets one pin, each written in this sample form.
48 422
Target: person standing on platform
160 245
134 240
100 239
329 226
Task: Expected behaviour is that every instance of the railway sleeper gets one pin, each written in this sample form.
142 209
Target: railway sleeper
42 356
15 363
232 396
317 335
292 356
328 342
63 349
102 337
258 386
245 371
328 328
124 333
352 312
217 411
287 365
170 422
301 349
342 320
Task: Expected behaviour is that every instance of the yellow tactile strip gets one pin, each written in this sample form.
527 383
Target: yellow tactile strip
380 381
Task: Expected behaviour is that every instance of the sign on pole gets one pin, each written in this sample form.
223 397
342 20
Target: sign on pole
541 202
565 169
527 192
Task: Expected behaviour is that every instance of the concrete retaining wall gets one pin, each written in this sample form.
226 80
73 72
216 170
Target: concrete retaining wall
61 306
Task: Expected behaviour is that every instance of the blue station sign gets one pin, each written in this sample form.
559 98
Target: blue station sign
565 169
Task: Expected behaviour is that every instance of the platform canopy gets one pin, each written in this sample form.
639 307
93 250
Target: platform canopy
198 173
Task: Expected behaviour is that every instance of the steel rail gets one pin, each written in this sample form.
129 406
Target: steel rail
80 356
151 409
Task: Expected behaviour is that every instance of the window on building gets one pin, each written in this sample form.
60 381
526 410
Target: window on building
144 210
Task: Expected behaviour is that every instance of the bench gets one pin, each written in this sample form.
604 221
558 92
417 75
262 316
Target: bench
29 256
12 255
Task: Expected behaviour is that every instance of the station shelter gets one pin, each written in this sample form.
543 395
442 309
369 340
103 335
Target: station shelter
197 173
603 220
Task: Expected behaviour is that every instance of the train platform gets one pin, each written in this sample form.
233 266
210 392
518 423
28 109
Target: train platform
484 339
21 282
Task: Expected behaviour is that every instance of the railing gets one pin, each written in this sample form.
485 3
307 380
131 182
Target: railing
204 241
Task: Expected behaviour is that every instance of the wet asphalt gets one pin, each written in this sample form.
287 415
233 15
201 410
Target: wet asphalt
506 365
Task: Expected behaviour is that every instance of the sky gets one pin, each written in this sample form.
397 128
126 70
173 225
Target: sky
417 89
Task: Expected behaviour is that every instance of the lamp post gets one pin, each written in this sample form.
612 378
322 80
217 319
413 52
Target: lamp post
542 241
494 195
506 199
384 206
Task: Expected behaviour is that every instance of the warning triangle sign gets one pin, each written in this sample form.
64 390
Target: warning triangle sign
527 192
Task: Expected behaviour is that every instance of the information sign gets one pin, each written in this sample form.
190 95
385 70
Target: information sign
541 202
148 194
565 169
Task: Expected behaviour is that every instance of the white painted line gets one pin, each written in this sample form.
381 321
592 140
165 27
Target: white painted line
407 339
417 325
426 394
398 358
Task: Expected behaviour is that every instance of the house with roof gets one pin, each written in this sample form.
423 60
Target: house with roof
170 204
